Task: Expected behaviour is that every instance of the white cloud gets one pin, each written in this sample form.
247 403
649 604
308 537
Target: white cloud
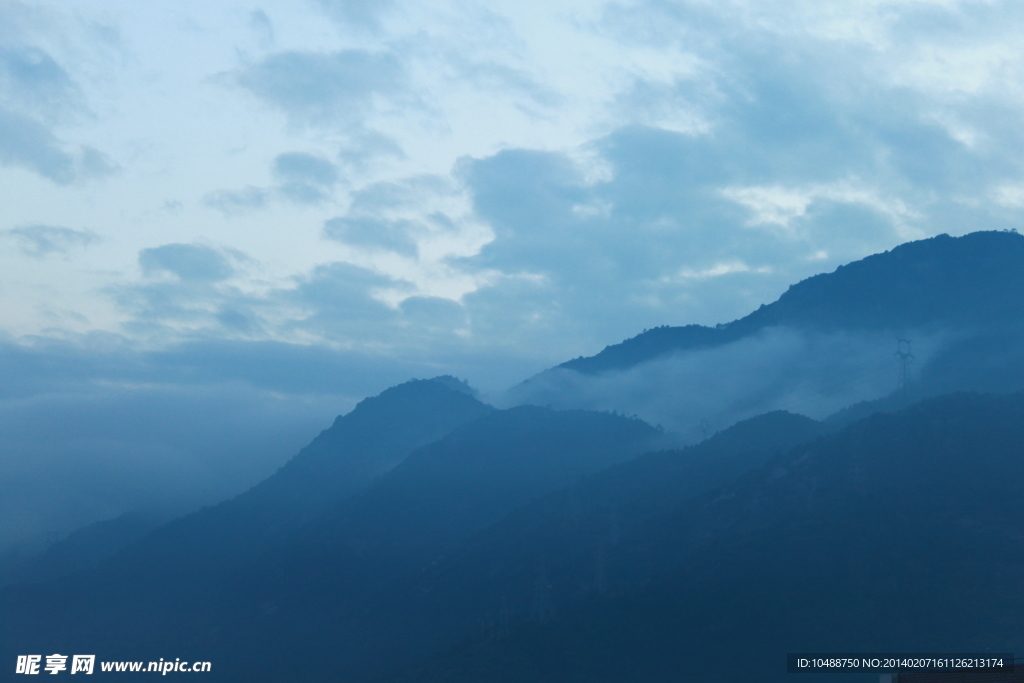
771 205
778 208
718 270
1010 195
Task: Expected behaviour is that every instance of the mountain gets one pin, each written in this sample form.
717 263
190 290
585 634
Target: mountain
260 596
87 547
975 281
563 535
543 553
899 533
360 446
826 343
200 553
357 561
479 472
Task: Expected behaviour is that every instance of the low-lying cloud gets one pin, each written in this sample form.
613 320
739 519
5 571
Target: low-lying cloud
779 368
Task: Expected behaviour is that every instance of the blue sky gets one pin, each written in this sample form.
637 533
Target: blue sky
308 201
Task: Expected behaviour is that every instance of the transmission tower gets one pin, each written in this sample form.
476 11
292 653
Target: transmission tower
904 357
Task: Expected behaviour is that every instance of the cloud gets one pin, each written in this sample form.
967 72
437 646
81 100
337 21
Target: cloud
595 254
42 240
740 148
405 193
165 312
31 80
763 151
393 235
525 195
1010 195
36 94
502 78
421 216
729 153
779 207
305 178
28 144
365 14
366 146
187 262
193 292
719 269
305 168
435 314
186 293
334 90
815 374
339 305
261 26
233 202
679 103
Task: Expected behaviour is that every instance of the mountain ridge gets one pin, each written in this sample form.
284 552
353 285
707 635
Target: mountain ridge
889 535
933 264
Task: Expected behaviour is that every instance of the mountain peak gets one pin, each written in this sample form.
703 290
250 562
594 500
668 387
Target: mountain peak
415 392
976 279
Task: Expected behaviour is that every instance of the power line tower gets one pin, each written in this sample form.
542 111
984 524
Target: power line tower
904 357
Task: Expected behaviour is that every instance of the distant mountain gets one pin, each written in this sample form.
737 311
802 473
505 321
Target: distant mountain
900 533
826 343
476 474
563 535
360 446
202 553
550 550
87 547
975 281
257 597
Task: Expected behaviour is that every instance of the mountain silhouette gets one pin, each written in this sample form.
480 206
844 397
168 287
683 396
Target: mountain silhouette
544 553
359 561
222 579
87 547
951 308
976 281
362 445
899 533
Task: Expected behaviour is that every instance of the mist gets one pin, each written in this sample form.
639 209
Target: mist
696 393
77 458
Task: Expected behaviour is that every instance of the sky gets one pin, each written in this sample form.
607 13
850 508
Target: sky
255 209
